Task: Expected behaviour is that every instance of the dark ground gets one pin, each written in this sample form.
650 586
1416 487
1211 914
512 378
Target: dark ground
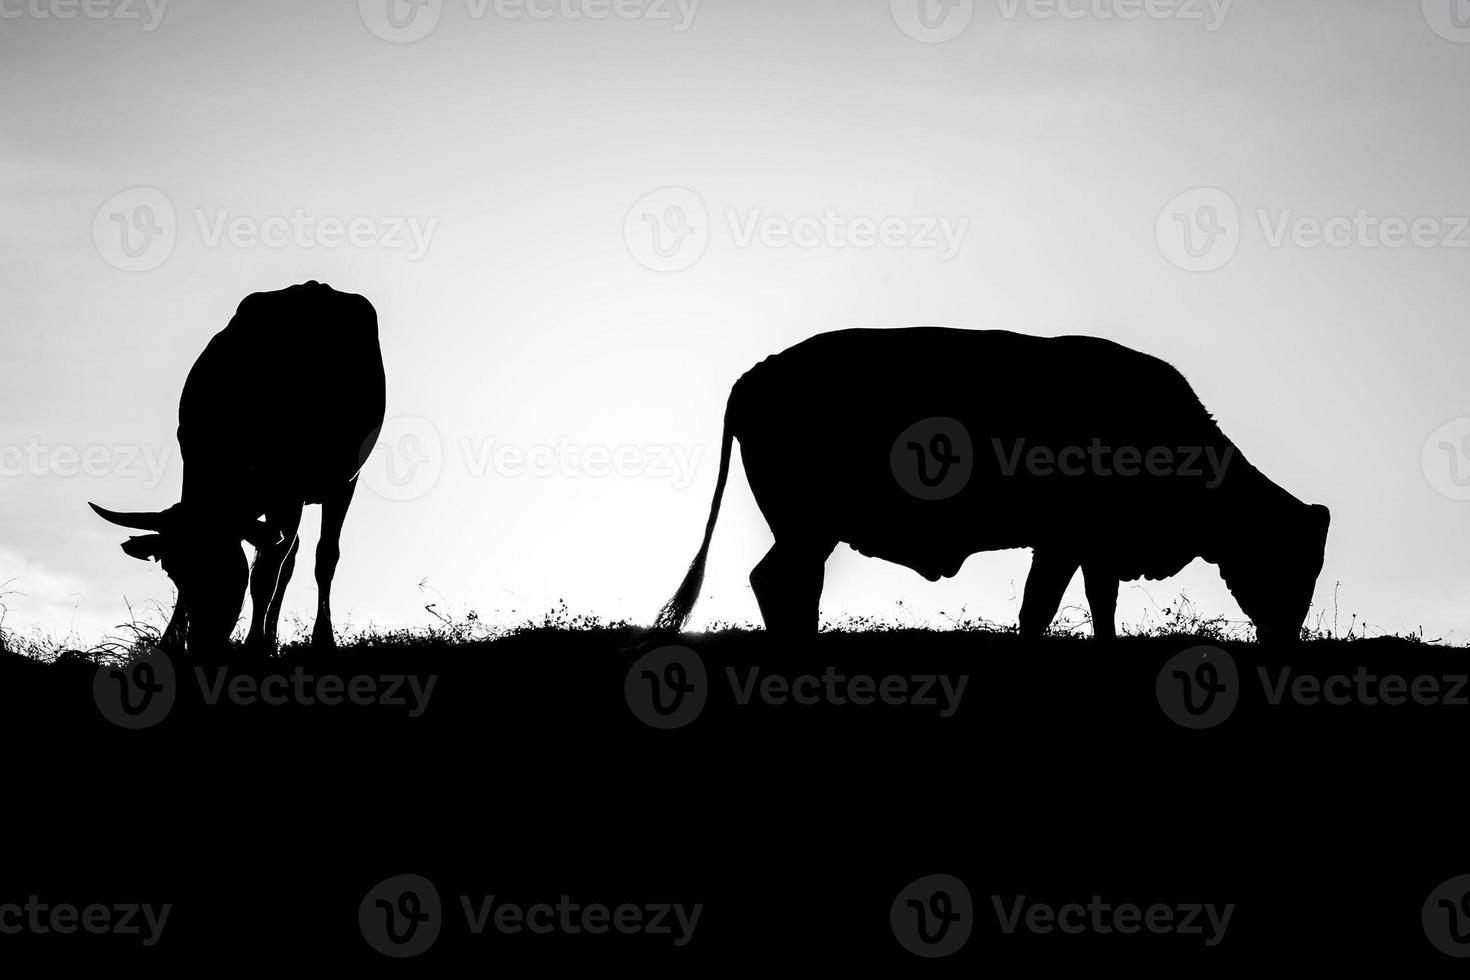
529 777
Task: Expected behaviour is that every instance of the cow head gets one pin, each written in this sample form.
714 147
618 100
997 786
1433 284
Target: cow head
1274 572
203 557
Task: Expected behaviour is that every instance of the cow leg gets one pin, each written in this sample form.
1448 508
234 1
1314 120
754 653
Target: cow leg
273 613
265 579
1051 571
1102 601
788 585
328 550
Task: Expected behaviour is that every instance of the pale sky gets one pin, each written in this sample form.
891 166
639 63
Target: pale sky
1035 172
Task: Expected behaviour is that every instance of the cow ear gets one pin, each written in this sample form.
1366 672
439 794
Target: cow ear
259 535
144 547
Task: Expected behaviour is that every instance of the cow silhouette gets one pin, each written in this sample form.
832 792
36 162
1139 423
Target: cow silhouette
281 410
926 445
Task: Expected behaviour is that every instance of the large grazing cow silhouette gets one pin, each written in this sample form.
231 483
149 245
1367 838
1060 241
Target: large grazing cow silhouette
281 410
926 445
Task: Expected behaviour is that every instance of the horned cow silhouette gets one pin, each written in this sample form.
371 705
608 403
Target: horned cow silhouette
281 410
926 445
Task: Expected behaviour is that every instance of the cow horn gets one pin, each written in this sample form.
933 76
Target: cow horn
139 520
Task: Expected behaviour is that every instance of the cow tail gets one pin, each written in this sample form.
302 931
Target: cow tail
676 611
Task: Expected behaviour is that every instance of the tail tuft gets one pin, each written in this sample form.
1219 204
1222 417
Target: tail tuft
675 613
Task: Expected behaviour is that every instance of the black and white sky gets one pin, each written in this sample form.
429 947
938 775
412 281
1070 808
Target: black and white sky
581 220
